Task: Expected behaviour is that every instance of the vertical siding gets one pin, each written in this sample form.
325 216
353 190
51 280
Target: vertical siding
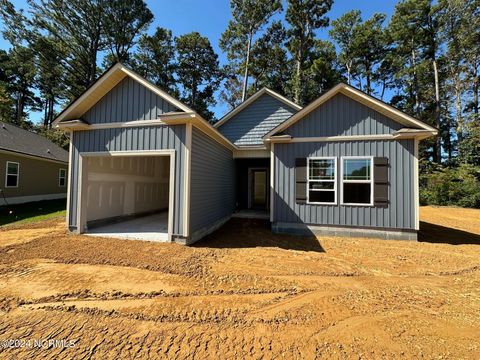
212 194
136 139
249 125
400 213
128 101
343 116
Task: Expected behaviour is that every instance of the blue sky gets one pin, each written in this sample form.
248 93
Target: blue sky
210 18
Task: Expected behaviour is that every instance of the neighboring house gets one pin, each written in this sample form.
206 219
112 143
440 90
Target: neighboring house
345 164
32 168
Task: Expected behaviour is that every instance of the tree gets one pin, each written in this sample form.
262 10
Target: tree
249 16
270 66
363 46
343 32
154 59
20 72
125 20
414 30
304 17
324 72
78 27
198 72
50 77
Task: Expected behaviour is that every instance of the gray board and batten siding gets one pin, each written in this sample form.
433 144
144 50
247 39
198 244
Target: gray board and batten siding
247 127
400 212
342 116
128 101
212 192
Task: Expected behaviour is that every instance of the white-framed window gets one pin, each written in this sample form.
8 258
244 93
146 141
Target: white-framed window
62 177
12 174
322 180
357 180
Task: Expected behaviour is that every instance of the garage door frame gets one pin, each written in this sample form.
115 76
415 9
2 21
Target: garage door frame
82 175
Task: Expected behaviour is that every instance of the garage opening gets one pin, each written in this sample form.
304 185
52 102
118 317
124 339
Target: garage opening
127 197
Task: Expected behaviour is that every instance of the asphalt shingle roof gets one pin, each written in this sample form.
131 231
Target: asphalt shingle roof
16 139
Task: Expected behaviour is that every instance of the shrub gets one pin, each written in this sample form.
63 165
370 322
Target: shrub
459 186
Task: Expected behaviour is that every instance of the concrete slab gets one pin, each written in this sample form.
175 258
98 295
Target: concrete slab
149 228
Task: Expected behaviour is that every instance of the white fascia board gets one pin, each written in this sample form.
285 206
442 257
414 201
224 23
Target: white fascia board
359 96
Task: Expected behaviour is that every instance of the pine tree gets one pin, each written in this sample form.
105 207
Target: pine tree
249 17
304 17
125 20
198 72
154 59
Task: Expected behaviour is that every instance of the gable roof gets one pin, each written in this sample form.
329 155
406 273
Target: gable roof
106 82
252 99
16 139
363 98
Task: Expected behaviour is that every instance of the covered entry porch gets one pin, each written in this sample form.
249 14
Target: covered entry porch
253 188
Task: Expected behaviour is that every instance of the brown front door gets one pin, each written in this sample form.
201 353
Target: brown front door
259 189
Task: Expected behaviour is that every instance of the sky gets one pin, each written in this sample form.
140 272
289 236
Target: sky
210 18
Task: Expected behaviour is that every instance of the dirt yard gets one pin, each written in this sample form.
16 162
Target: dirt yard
244 293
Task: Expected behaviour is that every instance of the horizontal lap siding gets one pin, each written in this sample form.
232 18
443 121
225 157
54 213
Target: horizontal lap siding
135 139
400 213
342 116
128 101
252 123
212 193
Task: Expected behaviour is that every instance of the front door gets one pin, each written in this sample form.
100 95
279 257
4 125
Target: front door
258 190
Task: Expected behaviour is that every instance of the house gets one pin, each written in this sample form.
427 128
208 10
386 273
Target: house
32 168
345 164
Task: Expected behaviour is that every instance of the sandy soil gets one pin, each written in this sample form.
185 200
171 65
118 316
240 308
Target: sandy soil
245 293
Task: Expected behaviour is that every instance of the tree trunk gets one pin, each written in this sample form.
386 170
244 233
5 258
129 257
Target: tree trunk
298 78
438 149
45 114
50 112
19 108
415 82
349 75
245 75
475 87
367 85
458 108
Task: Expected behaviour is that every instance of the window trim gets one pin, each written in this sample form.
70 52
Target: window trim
342 181
60 177
17 174
335 180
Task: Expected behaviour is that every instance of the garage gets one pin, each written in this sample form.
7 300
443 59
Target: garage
127 196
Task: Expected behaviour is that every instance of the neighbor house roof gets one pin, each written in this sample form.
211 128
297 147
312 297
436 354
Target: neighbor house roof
252 99
16 139
358 95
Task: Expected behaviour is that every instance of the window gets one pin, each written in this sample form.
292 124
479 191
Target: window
322 184
357 181
12 174
62 177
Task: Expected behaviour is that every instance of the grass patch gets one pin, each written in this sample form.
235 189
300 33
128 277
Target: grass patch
33 211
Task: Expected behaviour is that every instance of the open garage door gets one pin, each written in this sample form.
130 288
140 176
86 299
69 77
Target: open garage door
127 196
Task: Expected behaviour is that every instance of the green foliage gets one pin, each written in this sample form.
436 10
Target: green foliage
56 136
248 18
459 186
125 20
154 59
304 17
198 72
33 211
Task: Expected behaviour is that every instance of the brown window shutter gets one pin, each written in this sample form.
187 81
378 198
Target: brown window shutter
301 180
381 184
